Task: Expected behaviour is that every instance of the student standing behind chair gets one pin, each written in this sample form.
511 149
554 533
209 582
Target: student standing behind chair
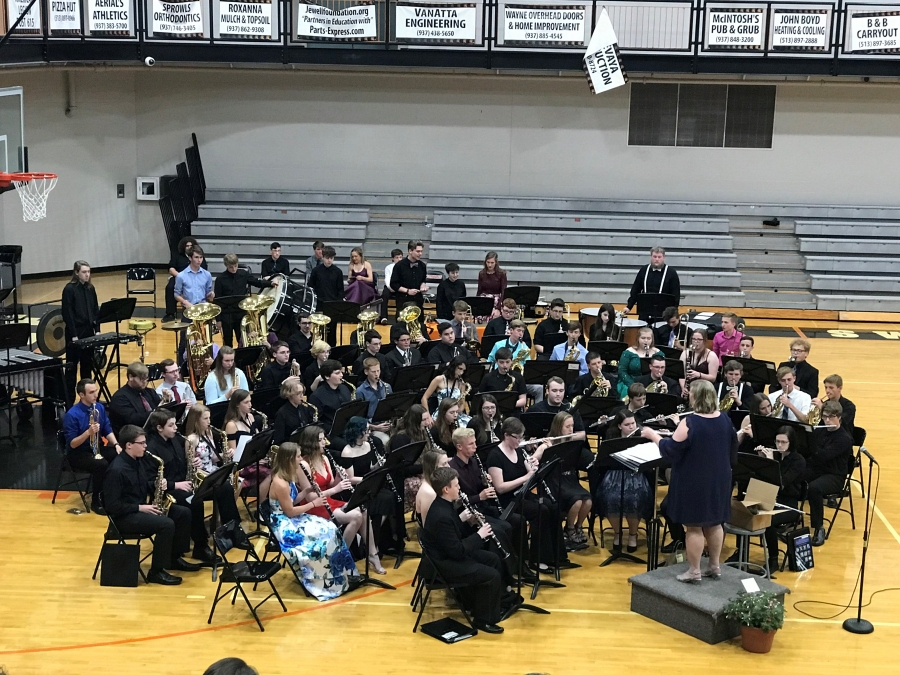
178 263
387 292
129 483
316 259
449 291
463 560
81 312
327 281
408 278
234 281
275 263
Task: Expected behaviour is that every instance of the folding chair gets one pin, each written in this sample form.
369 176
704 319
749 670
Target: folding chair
845 493
136 280
65 467
430 579
112 534
242 572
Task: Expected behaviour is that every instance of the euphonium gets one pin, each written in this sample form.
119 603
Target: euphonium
366 320
200 340
815 414
410 316
161 499
319 321
254 329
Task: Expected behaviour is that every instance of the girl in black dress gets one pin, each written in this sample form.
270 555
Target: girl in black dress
606 321
413 427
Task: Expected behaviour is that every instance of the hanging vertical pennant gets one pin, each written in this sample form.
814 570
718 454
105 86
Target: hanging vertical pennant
602 62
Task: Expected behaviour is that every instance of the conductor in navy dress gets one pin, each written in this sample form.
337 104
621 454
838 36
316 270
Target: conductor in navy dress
702 451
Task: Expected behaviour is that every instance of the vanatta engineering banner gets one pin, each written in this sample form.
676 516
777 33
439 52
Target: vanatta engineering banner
602 62
874 32
177 18
560 24
109 16
735 28
352 23
65 16
246 19
444 23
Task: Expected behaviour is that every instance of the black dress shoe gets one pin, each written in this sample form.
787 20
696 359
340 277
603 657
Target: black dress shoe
205 554
183 565
99 510
164 578
819 537
488 627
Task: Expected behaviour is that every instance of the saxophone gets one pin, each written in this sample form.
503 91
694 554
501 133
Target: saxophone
519 359
572 353
265 419
161 499
314 409
352 390
194 475
728 402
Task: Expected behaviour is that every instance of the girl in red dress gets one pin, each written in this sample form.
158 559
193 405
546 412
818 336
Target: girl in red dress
329 482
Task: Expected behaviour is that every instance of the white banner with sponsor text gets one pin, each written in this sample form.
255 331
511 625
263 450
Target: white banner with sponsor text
560 24
602 62
247 19
874 31
65 15
352 23
736 28
177 18
800 29
109 16
445 22
31 22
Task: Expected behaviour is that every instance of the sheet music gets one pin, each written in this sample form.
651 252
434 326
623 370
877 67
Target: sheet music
637 456
239 450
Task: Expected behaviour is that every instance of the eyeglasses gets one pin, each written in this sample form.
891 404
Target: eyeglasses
144 443
798 350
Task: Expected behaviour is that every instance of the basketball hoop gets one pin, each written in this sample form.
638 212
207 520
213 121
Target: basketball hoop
33 189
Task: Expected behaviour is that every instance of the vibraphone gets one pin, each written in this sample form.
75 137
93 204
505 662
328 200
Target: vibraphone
25 371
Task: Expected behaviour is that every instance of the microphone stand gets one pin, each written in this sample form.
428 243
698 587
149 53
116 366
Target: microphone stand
859 625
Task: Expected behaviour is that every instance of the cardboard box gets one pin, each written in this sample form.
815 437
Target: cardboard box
755 510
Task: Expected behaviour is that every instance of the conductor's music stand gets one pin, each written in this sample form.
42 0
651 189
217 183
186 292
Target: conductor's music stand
663 404
650 306
480 306
207 491
506 401
115 311
755 466
414 378
394 406
341 312
363 493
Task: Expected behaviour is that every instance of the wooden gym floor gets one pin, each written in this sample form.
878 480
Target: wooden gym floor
53 618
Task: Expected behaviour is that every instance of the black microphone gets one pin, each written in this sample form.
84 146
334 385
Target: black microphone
867 454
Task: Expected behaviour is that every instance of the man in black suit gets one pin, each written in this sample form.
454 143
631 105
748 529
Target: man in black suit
657 277
463 560
133 403
404 355
666 385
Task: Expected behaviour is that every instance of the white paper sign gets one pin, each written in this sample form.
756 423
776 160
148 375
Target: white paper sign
65 15
734 28
799 29
352 23
30 22
177 18
436 22
246 18
551 23
602 62
750 585
874 31
106 16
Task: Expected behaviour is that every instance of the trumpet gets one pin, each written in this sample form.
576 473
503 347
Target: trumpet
482 521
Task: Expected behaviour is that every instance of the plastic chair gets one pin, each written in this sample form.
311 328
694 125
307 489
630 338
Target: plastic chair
136 280
78 477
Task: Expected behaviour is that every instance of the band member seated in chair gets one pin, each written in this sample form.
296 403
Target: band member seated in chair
133 403
372 351
295 413
834 386
552 323
603 328
331 394
657 375
183 475
827 467
795 403
503 378
463 560
572 349
700 363
793 466
404 354
224 379
178 390
373 390
320 352
301 341
728 342
131 480
585 384
447 349
278 370
502 325
486 421
81 433
740 392
275 263
806 376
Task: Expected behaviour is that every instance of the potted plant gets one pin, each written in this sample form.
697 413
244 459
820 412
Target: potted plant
760 615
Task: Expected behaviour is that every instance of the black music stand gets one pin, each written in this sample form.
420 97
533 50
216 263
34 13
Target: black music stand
549 341
488 342
664 404
674 368
414 378
401 457
345 354
12 313
537 424
568 455
256 450
756 466
426 347
115 311
207 491
343 414
593 408
506 401
341 312
480 306
608 350
650 306
268 401
217 412
538 372
670 352
755 371
475 373
766 428
12 336
604 459
527 296
363 493
244 357
178 409
394 406
11 254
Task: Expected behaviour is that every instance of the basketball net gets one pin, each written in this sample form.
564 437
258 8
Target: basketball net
34 189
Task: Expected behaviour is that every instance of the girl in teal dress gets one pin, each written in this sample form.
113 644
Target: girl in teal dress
630 361
313 546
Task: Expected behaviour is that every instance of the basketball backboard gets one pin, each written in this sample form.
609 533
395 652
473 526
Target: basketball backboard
12 130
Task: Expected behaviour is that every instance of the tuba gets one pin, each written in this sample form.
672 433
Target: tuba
366 323
319 321
410 316
199 340
815 414
161 499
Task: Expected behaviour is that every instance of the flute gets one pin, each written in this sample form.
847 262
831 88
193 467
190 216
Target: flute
482 521
538 441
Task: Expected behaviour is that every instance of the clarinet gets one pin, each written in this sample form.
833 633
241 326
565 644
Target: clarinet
337 467
319 493
481 522
486 479
543 482
381 459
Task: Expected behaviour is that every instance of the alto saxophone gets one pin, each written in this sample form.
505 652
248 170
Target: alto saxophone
572 354
728 402
194 475
265 418
161 499
314 409
352 390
